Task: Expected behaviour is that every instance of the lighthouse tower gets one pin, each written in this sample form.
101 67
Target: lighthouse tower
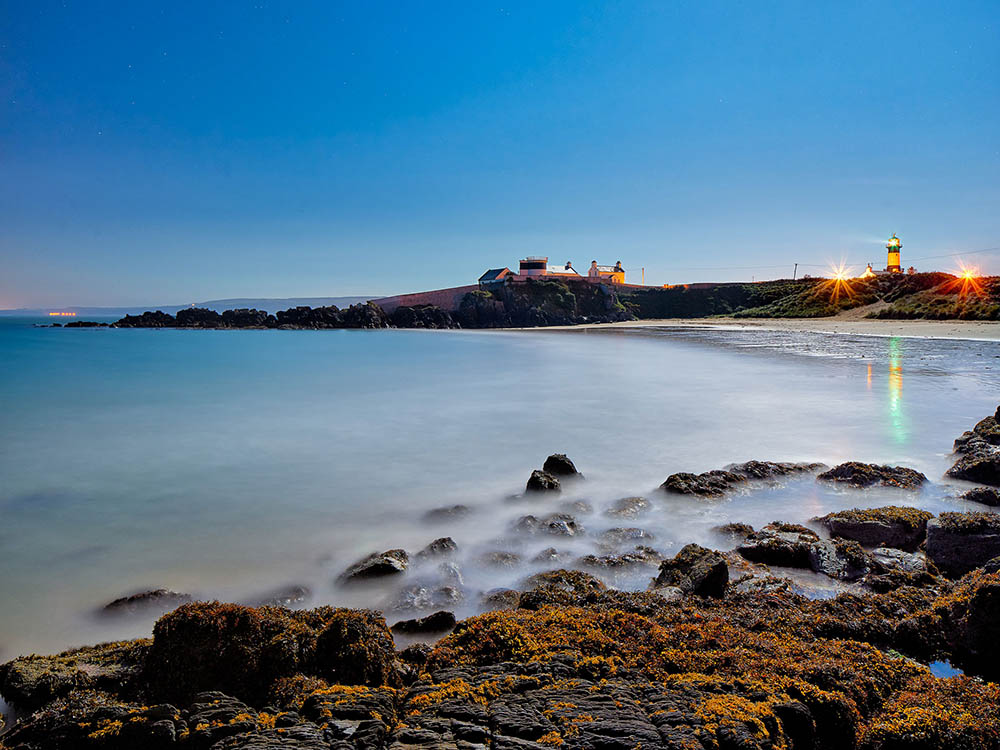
893 265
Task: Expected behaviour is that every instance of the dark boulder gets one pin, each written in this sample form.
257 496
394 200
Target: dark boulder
198 317
982 466
614 538
248 318
558 465
782 544
573 581
641 556
421 597
736 531
501 559
158 319
422 316
628 507
439 622
858 474
891 526
147 602
983 495
718 482
443 547
844 560
695 570
310 317
960 542
367 315
542 481
84 324
377 565
555 524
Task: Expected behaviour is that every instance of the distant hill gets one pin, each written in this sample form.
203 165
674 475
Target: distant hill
271 305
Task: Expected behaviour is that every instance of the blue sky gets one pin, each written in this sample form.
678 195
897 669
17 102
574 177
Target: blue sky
172 152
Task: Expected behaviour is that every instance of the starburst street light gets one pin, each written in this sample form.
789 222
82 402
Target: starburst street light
967 281
839 282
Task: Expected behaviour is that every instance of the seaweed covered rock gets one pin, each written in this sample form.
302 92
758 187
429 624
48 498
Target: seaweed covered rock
438 622
857 474
640 556
376 565
960 542
442 547
198 317
981 466
891 526
983 495
310 317
559 465
354 647
628 507
248 318
718 482
32 681
542 481
694 570
783 544
844 560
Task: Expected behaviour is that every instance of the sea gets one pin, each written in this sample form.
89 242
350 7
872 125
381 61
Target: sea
230 464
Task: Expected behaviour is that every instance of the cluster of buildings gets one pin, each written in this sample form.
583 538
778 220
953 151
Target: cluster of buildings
538 266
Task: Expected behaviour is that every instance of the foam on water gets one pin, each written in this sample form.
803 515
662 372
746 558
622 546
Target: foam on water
226 464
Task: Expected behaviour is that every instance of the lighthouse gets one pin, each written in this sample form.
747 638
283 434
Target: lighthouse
893 265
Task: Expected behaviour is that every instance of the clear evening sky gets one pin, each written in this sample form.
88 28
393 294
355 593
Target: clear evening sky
171 152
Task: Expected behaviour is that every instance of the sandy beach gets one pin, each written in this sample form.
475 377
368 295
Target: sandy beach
842 324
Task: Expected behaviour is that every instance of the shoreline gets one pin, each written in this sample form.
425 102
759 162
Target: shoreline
968 330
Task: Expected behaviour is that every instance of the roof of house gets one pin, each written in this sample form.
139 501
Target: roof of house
494 274
561 270
609 269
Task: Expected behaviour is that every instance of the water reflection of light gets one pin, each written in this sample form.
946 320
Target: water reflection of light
869 379
896 417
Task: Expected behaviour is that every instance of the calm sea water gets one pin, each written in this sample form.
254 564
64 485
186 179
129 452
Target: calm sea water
228 463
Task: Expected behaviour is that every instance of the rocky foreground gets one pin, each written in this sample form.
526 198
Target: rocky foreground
720 653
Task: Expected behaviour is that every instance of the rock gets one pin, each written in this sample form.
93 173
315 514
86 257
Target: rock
669 593
973 612
147 602
501 599
422 316
542 481
892 559
443 547
891 526
501 559
30 682
695 570
639 557
577 507
449 513
782 544
243 650
718 482
984 495
556 524
158 319
859 474
628 507
992 566
618 536
735 531
421 597
451 574
198 317
367 315
558 465
439 622
574 581
981 466
304 317
248 318
551 555
960 542
377 565
844 560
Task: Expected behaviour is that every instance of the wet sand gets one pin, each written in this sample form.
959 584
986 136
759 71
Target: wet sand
841 324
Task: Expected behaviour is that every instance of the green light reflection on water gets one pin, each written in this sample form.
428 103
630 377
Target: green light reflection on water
897 419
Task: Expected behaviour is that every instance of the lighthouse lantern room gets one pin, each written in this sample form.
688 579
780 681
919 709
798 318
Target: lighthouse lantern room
893 265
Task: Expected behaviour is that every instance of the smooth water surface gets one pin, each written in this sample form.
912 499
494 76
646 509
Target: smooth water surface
227 463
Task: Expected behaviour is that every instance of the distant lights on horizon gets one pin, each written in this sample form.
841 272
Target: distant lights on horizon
63 314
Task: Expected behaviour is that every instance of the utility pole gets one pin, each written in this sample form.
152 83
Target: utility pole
795 272
644 276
